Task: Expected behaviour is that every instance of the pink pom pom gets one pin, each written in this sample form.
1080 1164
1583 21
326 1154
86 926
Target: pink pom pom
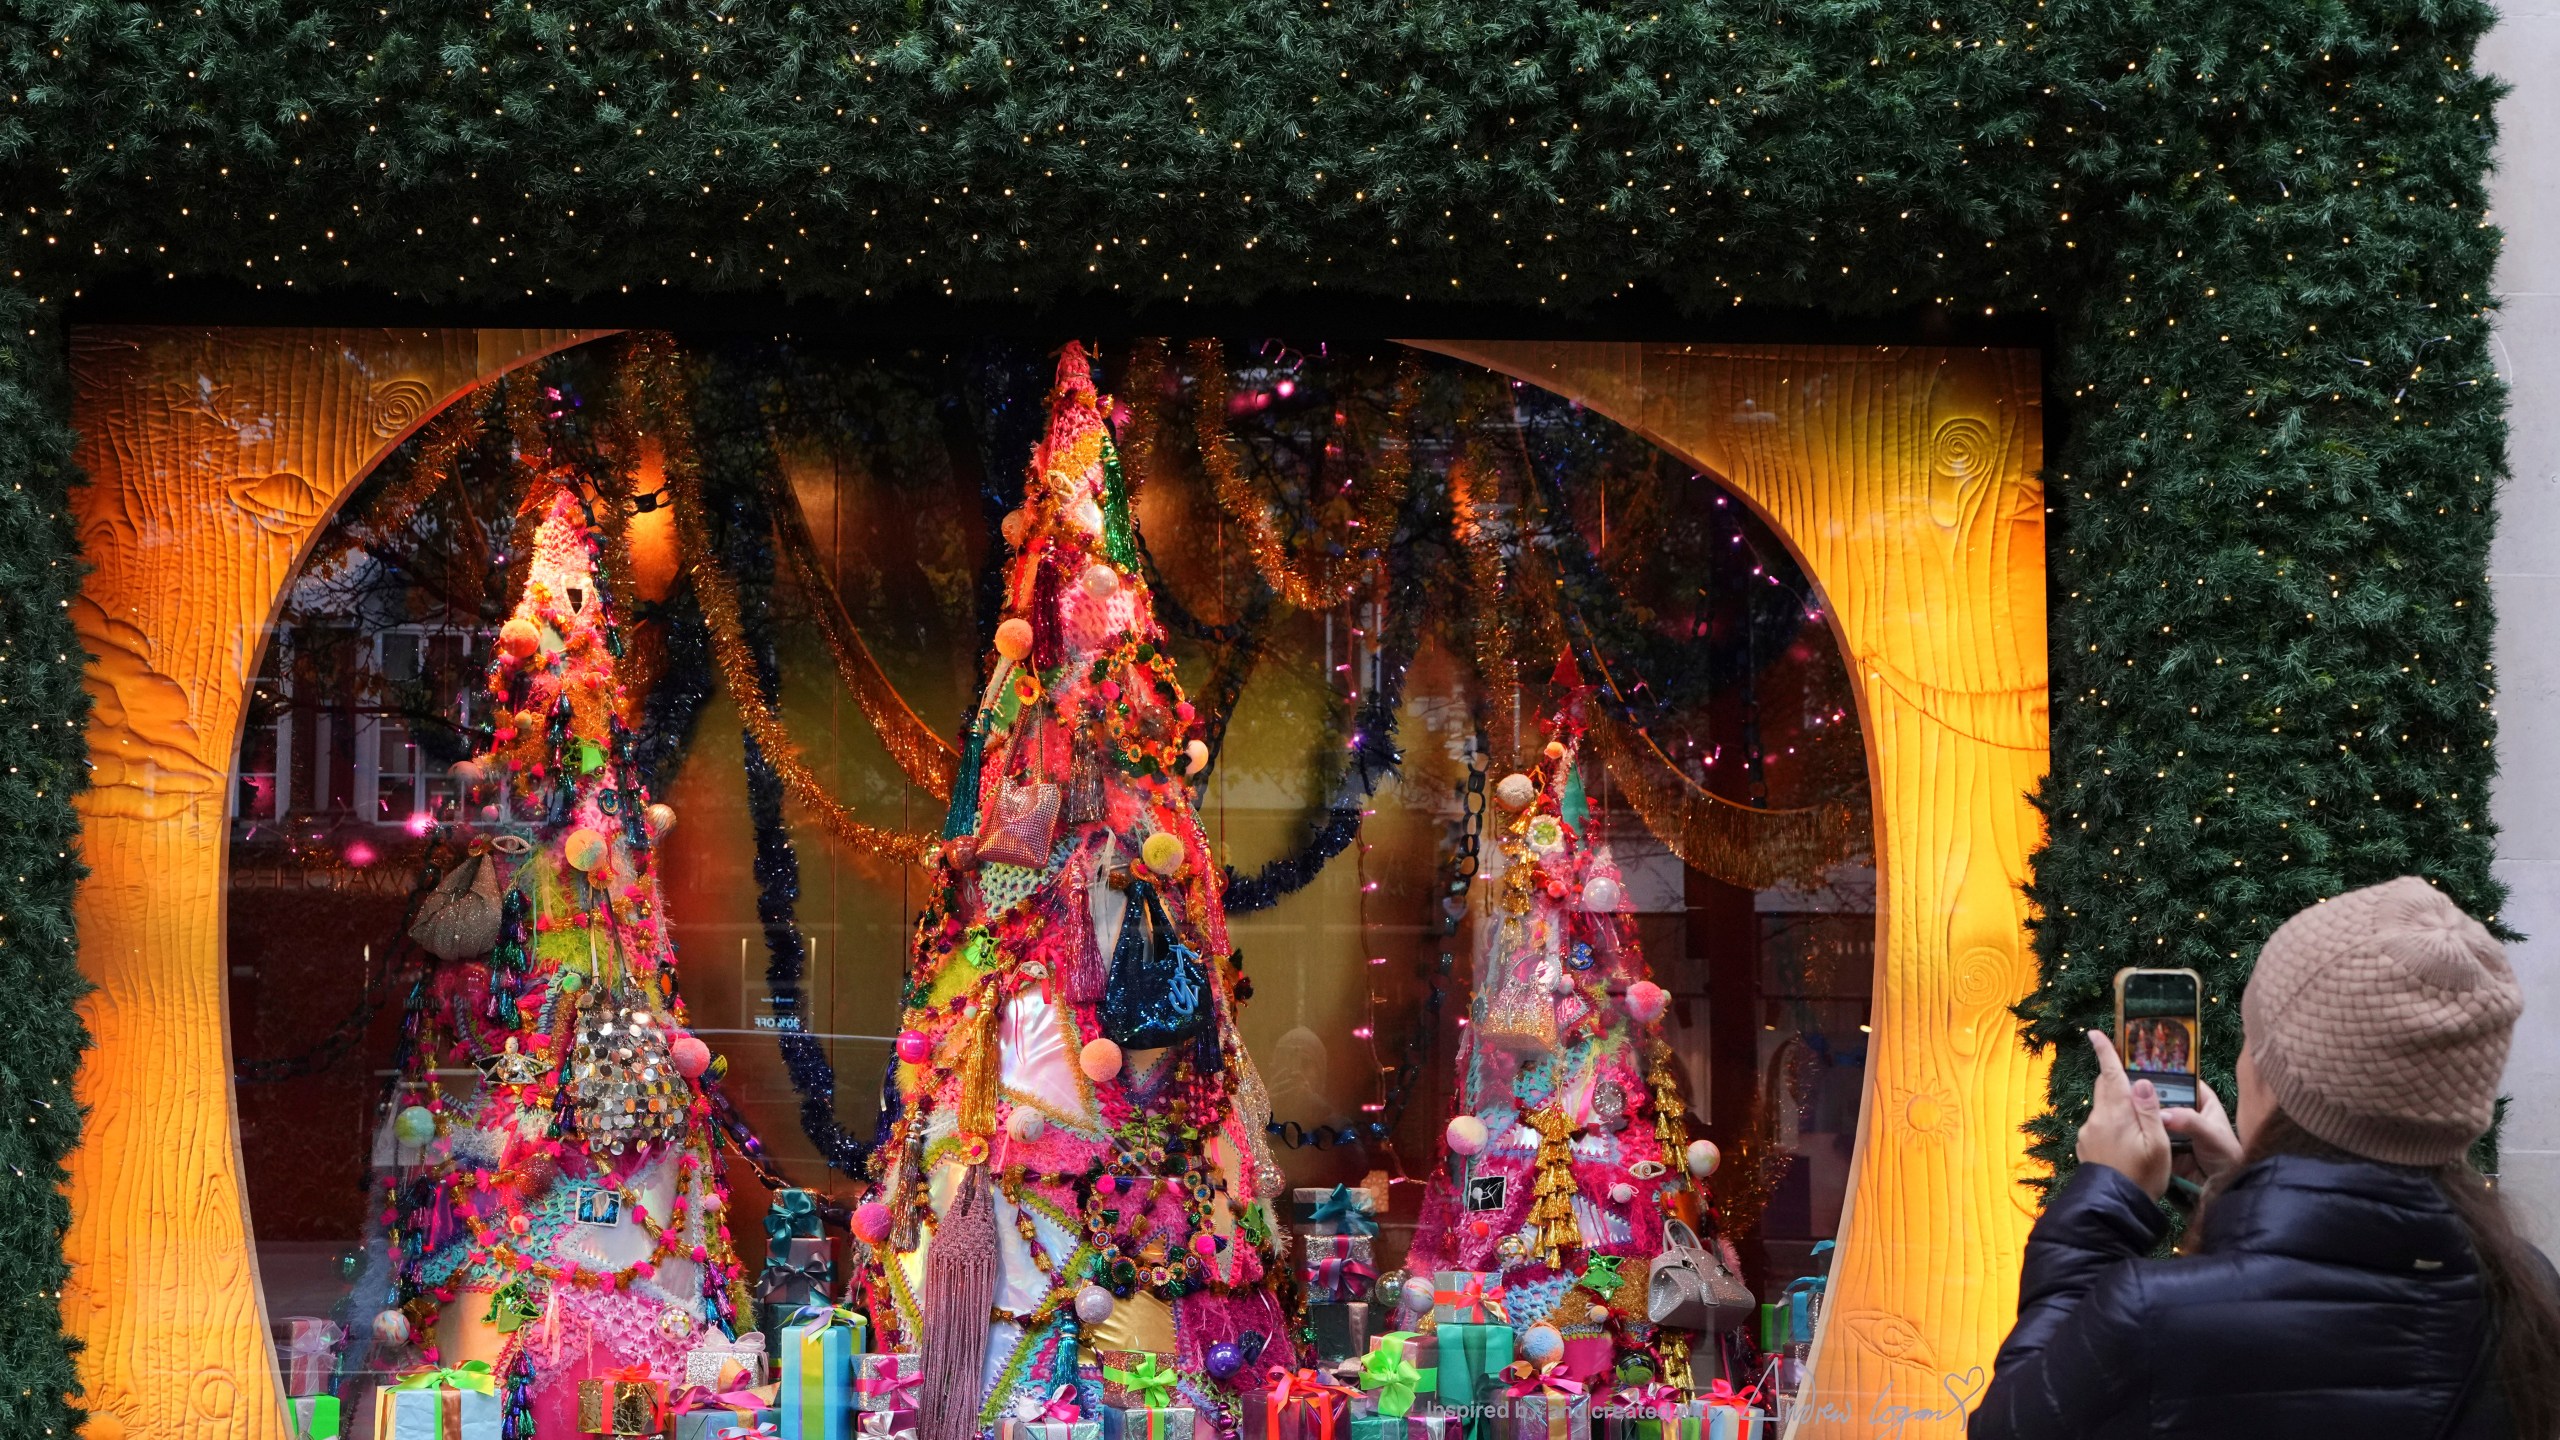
871 1222
690 1056
1100 1060
1205 1245
1646 1001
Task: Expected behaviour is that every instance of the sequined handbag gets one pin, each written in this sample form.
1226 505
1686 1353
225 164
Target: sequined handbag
1156 993
1689 1287
1025 822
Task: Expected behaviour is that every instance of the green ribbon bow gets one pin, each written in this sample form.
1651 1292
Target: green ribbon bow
469 1375
1600 1274
1150 1382
1386 1370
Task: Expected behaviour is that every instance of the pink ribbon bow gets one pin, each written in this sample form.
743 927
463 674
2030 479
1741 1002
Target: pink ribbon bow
1062 1408
759 1431
889 1381
1662 1401
1550 1382
702 1397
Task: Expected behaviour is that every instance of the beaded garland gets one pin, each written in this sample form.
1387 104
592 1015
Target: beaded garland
1146 1161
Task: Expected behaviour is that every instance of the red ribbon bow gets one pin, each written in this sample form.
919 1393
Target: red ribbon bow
1723 1393
1325 1397
1480 1304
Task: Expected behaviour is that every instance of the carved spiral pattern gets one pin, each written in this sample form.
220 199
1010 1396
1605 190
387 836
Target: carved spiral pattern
399 404
1985 976
1963 449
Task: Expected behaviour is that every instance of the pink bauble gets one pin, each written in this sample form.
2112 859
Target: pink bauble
1101 581
1646 1001
914 1046
1026 1125
391 1327
1013 638
871 1222
1100 1060
690 1056
1416 1295
1094 1304
1703 1158
1467 1135
1602 894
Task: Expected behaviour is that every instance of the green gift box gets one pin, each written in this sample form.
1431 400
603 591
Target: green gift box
314 1417
1469 1356
1400 1368
1377 1427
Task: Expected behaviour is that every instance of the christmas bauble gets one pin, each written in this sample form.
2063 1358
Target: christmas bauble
1555 749
416 1125
1198 753
1101 581
1417 1296
661 818
871 1222
1094 1304
1542 1343
1224 1360
1622 1193
1646 1001
1025 1124
1163 853
1013 638
584 849
1085 516
1016 524
391 1327
1602 893
1703 1158
1099 1059
468 772
1467 1135
689 1055
1515 791
519 637
914 1046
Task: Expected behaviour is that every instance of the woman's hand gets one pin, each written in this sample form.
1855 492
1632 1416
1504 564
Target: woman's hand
2123 1131
2212 1145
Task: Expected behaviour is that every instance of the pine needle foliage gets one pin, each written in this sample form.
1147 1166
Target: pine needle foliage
2256 227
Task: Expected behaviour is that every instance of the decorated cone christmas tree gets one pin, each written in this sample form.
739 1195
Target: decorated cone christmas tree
1570 1144
1078 1165
562 1217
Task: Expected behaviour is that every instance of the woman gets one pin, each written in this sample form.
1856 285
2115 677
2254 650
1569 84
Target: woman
2351 1275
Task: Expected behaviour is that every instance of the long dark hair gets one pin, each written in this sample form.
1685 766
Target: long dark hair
2515 1276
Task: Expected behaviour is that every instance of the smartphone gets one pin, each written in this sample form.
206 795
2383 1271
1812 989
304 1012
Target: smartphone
2159 1025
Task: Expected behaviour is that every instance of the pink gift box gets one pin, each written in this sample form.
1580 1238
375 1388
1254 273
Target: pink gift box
310 1354
1589 1357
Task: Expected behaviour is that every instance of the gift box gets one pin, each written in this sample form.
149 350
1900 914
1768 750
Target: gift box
1297 1405
1547 1406
1400 1369
1314 1245
1148 1422
1377 1427
700 1413
720 1364
1434 1425
313 1417
458 1403
794 1215
622 1402
1469 1297
1469 1356
1339 1211
1731 1414
1342 1330
310 1354
1339 1277
886 1381
1049 1430
798 1271
817 1373
897 1424
1137 1379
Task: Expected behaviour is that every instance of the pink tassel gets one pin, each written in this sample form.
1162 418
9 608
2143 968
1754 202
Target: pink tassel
960 1297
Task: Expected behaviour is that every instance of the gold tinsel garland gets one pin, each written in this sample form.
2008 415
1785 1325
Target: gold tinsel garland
665 385
1317 584
457 428
928 759
1551 1219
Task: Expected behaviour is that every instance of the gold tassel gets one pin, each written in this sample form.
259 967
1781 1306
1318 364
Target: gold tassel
1551 1214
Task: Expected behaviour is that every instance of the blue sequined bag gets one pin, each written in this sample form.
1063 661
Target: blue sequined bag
1157 993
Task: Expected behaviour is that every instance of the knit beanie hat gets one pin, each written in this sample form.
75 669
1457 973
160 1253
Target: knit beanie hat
2380 1022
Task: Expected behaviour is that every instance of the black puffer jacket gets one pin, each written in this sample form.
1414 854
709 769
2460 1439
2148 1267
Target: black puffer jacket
2338 1299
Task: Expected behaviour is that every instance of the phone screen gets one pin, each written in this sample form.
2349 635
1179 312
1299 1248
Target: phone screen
2158 1016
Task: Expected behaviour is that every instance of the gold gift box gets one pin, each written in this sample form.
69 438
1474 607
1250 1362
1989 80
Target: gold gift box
621 1407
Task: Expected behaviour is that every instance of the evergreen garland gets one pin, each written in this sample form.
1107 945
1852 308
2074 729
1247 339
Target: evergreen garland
2253 227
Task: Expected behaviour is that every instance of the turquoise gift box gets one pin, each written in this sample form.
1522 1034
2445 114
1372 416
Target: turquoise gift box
1469 1356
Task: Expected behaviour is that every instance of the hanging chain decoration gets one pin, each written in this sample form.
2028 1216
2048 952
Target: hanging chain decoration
918 750
718 596
1319 583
